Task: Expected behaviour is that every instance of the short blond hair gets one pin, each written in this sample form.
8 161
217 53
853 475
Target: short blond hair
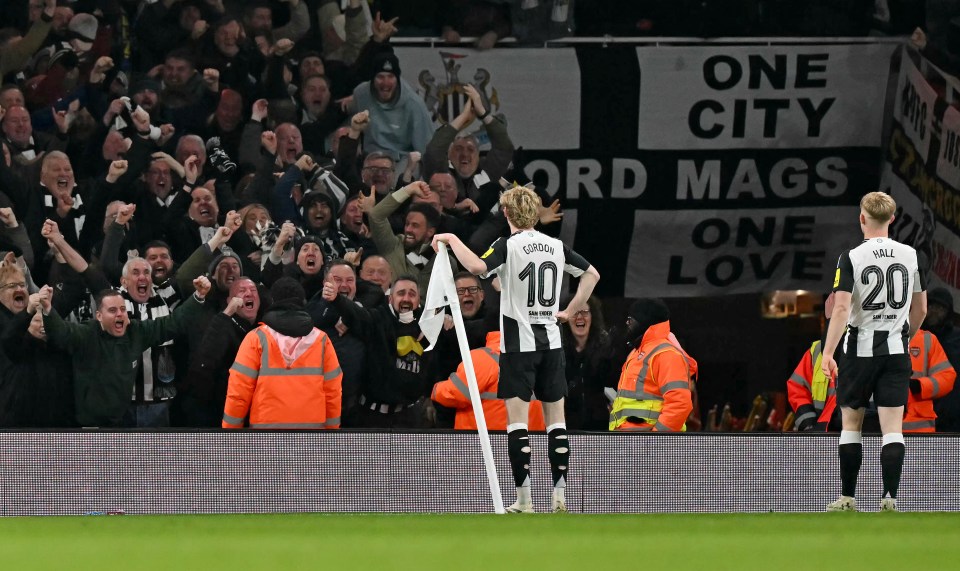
521 206
878 206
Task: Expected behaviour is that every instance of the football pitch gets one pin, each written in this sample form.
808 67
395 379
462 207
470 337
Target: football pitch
847 541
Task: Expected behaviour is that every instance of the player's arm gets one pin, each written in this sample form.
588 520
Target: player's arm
918 311
842 300
577 266
918 305
470 261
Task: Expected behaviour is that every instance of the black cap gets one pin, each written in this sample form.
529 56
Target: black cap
649 310
940 296
288 293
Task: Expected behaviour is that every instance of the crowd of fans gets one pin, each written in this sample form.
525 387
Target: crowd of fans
176 172
170 166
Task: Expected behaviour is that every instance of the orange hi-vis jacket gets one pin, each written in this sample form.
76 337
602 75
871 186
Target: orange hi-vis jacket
453 392
280 392
930 368
654 392
809 390
936 377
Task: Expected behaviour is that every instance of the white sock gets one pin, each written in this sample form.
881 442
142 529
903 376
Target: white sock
892 438
850 437
523 494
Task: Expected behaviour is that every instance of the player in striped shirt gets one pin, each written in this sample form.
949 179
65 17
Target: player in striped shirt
530 265
880 301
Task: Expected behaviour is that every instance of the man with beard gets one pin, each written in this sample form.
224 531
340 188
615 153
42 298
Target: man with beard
203 392
351 351
399 374
286 374
410 252
156 253
460 155
399 120
105 351
307 268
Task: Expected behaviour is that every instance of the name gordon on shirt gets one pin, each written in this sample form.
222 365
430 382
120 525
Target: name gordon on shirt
537 247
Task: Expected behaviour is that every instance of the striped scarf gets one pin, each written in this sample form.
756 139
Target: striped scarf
155 369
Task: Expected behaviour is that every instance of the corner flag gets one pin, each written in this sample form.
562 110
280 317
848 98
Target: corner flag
441 292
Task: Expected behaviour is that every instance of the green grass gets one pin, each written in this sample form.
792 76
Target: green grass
846 541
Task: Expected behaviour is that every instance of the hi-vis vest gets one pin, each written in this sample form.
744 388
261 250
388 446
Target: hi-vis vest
936 377
809 390
641 396
305 393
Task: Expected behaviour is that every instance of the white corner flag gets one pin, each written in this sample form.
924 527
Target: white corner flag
441 292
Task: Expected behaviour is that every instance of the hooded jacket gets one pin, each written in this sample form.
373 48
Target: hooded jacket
286 375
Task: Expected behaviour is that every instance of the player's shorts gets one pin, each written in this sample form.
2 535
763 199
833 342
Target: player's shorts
540 373
886 377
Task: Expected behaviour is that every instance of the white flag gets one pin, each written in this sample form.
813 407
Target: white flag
441 292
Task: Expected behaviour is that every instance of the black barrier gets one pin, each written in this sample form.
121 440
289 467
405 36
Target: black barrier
71 473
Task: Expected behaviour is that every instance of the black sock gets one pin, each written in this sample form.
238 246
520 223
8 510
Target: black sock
559 452
518 448
891 465
851 456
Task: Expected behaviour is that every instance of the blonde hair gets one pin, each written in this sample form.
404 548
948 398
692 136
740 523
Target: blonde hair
878 206
522 207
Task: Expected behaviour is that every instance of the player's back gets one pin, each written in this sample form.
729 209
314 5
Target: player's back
882 275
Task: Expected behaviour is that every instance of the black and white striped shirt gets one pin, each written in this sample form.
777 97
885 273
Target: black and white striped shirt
882 275
530 266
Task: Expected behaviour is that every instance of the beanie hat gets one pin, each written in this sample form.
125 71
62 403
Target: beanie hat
647 311
145 84
386 62
940 296
224 254
83 27
287 292
309 239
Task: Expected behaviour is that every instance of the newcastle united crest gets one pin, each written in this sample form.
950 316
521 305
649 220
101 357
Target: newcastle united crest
446 100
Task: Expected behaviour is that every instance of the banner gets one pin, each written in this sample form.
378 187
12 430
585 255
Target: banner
651 149
744 97
921 168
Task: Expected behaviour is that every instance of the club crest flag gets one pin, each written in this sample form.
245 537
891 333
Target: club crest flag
441 292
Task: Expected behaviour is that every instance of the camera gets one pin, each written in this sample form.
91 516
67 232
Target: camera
218 157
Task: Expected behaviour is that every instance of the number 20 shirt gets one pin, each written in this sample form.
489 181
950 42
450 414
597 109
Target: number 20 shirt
882 275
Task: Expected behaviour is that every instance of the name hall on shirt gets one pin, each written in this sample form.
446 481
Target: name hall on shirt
883 253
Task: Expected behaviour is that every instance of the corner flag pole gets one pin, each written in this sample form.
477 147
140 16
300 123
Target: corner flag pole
474 393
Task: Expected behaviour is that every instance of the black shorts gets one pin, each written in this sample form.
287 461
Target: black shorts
886 377
540 373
